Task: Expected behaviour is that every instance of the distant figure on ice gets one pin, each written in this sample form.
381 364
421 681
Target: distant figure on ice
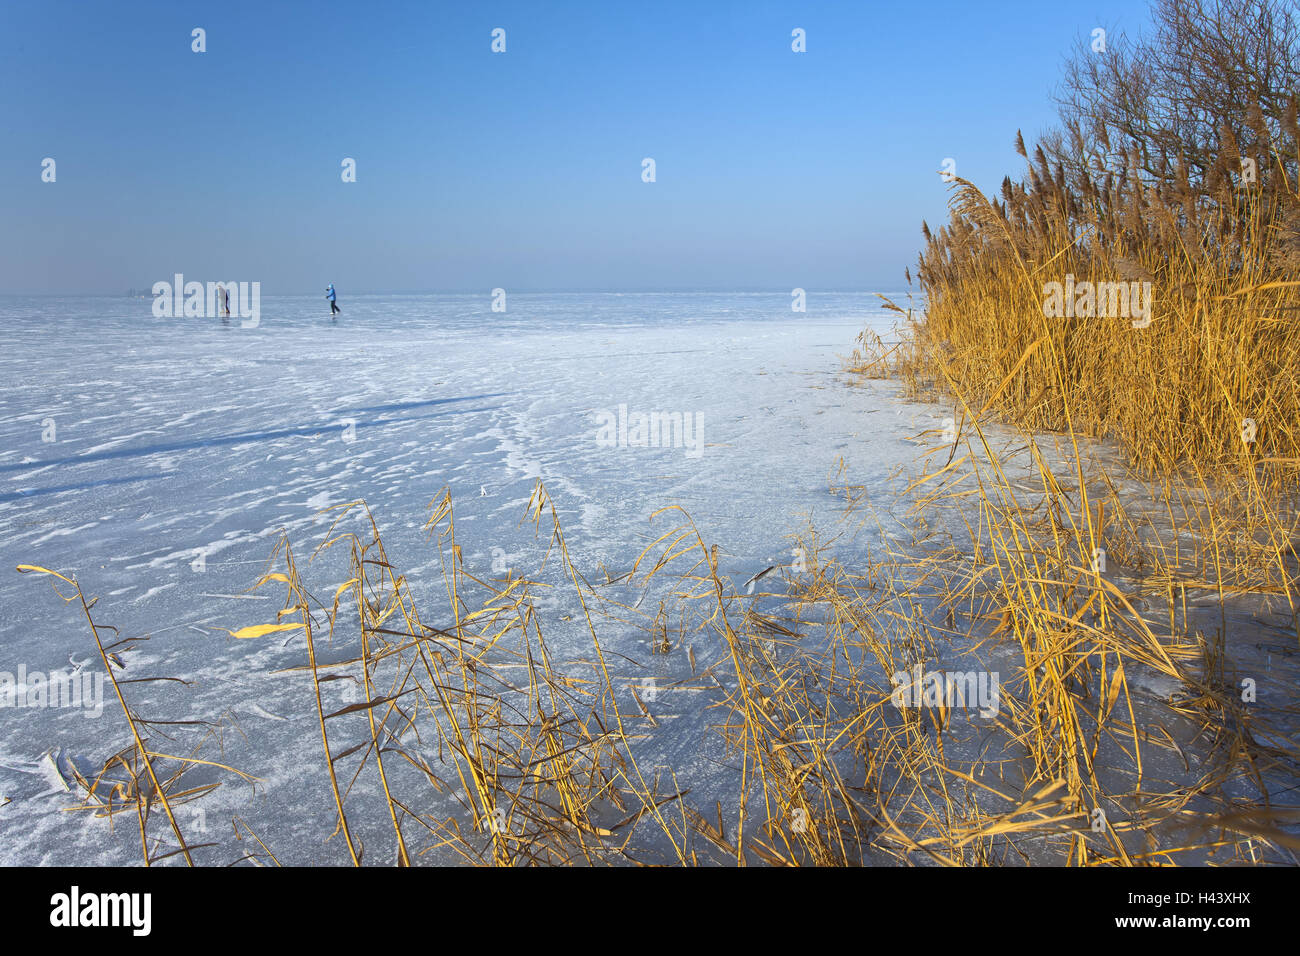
223 303
331 295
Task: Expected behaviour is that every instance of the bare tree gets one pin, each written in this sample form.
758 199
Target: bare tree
1215 83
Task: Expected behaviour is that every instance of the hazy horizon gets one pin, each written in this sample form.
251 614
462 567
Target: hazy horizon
344 294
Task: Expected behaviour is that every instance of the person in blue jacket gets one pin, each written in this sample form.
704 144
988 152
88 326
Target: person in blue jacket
330 294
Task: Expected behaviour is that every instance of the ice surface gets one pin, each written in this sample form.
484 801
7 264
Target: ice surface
185 447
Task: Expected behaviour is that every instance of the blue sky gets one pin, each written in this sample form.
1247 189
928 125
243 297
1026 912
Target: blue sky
520 170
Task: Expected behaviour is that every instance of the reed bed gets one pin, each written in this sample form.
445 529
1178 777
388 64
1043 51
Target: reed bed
460 729
1177 182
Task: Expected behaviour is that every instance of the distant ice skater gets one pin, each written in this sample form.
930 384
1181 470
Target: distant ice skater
225 300
331 295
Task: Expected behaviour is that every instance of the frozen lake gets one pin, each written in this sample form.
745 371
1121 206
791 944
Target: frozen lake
158 461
